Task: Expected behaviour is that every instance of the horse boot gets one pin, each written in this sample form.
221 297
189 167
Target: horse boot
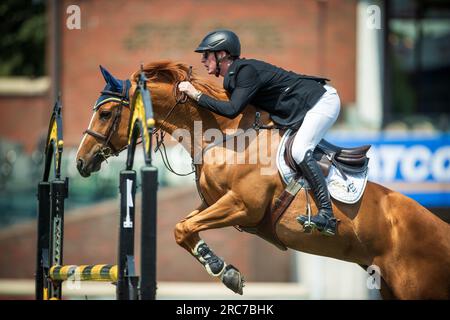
216 267
324 221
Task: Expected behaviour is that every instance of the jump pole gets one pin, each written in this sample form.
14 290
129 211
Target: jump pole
142 123
50 271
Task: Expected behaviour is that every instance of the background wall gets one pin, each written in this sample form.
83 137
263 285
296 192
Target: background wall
303 36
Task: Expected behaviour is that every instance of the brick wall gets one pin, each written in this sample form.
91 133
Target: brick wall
24 119
302 36
306 36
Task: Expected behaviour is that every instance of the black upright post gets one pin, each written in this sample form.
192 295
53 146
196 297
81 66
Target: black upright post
149 176
126 234
43 220
58 192
51 196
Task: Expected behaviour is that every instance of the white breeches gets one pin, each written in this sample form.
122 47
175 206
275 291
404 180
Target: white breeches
318 120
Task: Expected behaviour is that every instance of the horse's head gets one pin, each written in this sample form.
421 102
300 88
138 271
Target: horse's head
107 131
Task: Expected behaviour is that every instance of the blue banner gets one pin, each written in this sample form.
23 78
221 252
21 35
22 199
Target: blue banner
417 165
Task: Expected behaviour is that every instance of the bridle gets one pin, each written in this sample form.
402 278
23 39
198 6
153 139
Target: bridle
108 149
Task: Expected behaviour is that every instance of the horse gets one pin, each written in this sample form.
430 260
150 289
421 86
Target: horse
408 244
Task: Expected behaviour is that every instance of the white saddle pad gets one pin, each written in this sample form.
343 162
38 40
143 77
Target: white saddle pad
346 191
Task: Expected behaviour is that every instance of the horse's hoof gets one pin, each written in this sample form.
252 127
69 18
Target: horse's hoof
232 279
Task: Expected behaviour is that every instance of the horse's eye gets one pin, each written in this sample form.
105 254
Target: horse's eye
105 114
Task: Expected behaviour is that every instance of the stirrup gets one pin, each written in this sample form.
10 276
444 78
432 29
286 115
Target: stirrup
305 221
309 224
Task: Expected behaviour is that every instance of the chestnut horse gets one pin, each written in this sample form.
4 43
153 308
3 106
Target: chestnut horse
409 245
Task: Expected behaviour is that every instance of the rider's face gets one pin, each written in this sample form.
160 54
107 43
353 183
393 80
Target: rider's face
209 61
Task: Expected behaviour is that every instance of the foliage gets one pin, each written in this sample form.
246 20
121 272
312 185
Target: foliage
23 35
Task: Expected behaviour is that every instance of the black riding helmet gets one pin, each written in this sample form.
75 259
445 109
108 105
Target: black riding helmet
219 40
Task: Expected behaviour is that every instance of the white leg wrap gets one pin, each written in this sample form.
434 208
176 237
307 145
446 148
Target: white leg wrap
205 264
196 253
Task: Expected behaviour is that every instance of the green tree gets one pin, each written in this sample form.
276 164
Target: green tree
22 37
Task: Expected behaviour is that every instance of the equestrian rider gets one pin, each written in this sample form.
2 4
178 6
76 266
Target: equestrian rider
293 100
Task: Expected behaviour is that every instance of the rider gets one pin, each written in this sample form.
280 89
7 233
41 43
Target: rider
301 102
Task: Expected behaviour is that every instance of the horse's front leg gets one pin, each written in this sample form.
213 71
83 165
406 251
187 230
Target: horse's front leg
227 211
200 208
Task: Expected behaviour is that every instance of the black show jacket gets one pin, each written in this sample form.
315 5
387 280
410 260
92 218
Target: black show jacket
285 95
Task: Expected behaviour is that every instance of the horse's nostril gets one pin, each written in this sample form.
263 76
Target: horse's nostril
80 163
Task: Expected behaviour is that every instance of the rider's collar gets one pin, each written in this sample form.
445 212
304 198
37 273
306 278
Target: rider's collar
232 70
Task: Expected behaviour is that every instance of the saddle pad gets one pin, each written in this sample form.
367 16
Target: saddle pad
346 191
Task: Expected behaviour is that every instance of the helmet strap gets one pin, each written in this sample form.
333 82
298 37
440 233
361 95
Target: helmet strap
218 61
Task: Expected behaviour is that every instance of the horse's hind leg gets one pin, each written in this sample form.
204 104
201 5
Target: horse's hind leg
227 211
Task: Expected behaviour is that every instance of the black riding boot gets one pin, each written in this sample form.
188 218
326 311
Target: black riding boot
324 221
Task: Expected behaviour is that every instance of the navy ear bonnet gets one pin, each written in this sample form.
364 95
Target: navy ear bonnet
115 90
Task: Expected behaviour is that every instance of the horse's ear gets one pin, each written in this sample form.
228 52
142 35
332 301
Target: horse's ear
110 79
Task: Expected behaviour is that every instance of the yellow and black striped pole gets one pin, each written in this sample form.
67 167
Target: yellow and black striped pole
93 272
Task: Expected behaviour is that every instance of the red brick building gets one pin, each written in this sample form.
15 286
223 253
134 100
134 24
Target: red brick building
303 36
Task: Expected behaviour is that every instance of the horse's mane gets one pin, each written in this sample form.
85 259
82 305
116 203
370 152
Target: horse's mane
171 72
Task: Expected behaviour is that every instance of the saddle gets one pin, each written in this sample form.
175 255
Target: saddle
350 160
